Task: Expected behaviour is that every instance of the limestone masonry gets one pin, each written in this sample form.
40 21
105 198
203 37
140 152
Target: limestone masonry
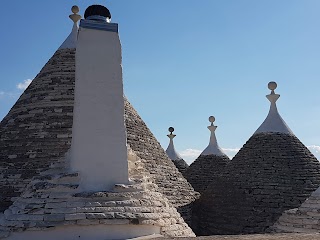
56 193
304 219
204 170
209 165
271 173
38 129
55 187
54 200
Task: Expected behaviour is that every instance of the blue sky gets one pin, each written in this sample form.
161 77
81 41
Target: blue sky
184 60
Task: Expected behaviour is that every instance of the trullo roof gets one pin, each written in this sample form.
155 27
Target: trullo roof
209 165
271 173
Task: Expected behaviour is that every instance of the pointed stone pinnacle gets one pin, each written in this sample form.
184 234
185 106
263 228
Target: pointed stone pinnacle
273 122
213 147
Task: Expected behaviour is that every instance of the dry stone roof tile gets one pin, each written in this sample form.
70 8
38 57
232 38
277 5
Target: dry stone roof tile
54 200
305 218
273 172
205 169
181 165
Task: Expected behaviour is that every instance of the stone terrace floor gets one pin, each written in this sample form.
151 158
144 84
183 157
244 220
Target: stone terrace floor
286 236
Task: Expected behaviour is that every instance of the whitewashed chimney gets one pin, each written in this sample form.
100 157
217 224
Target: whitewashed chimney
99 150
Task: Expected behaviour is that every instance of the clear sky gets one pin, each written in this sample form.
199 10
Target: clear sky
184 60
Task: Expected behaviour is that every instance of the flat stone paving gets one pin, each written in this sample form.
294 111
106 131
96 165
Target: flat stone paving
282 236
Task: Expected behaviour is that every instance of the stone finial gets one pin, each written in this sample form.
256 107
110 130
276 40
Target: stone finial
272 86
171 151
213 147
171 135
75 17
273 122
272 97
212 119
212 127
71 40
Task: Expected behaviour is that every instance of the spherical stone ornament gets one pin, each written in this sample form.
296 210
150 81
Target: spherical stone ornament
75 9
212 119
171 129
272 85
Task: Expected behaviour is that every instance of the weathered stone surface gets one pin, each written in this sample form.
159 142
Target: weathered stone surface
181 165
54 217
166 176
135 203
38 129
75 216
272 173
306 218
29 133
205 169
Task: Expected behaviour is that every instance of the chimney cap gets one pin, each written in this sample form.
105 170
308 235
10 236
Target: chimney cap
97 10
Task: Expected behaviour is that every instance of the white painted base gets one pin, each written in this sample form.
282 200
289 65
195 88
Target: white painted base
92 232
171 151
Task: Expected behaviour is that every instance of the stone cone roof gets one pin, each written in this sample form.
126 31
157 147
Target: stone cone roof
272 172
38 129
205 169
54 200
181 165
209 165
305 219
168 178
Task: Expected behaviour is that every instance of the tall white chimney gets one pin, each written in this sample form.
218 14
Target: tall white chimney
98 149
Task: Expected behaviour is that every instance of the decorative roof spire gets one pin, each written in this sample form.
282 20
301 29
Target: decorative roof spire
273 122
213 147
171 152
71 40
75 17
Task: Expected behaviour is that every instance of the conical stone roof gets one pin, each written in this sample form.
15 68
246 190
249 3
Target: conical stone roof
303 219
204 170
271 173
37 132
181 165
168 178
178 161
54 201
209 165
